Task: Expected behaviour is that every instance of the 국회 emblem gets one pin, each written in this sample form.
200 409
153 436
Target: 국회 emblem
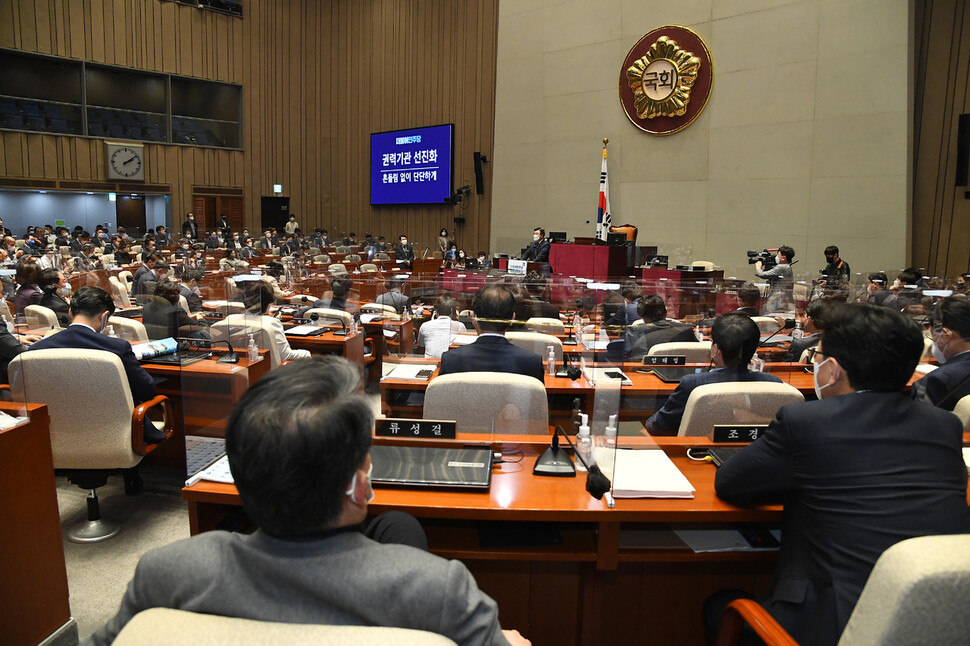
666 80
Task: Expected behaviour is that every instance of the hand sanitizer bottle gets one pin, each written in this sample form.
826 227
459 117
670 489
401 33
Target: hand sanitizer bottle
798 332
609 436
551 361
252 350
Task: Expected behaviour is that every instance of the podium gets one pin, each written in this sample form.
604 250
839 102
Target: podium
597 262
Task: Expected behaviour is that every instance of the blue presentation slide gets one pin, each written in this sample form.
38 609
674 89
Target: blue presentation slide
411 166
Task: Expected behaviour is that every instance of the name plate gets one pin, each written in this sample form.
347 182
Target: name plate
428 428
737 434
665 360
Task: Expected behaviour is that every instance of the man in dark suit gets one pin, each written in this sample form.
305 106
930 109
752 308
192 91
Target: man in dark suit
735 339
494 306
190 229
858 471
951 348
404 253
225 229
814 324
656 328
189 288
748 297
90 309
538 249
628 314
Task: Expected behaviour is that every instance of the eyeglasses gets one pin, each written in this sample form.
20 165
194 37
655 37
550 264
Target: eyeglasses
813 352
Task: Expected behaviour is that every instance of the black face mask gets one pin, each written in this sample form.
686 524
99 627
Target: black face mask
830 259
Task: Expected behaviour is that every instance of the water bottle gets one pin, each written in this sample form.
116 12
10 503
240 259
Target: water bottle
584 444
110 331
551 361
798 332
252 350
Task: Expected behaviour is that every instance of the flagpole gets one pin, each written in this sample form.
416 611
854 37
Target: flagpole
603 218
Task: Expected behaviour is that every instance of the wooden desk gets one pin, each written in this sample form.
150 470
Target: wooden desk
637 401
203 395
586 590
588 261
34 595
350 347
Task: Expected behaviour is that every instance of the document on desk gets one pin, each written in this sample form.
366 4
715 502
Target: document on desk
411 371
648 473
218 471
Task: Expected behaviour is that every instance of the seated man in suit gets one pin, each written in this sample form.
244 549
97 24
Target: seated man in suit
144 273
55 288
951 348
340 285
748 297
814 324
859 470
393 296
299 448
876 291
735 339
629 313
656 328
538 249
530 301
494 307
91 307
189 288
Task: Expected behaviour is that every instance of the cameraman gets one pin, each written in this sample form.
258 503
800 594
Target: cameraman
780 278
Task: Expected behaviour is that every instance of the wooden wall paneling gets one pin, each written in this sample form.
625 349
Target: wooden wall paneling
35 156
42 16
48 156
13 154
8 20
28 22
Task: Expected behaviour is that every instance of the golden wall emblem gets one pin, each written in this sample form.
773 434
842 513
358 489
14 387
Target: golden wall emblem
662 79
665 80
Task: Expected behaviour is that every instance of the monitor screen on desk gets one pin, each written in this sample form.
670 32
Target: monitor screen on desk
615 239
558 236
656 260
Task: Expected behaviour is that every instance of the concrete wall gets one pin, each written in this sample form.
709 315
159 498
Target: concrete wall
805 140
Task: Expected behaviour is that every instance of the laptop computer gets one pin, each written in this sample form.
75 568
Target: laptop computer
427 466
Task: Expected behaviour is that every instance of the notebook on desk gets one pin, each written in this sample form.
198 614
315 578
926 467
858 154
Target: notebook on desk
426 466
673 374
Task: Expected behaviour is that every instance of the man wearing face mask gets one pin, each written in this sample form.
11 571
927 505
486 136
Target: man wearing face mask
404 253
735 339
538 249
836 270
90 309
951 348
314 558
876 292
859 470
190 229
780 279
56 292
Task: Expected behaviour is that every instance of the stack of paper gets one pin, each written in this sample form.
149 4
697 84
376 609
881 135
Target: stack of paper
648 473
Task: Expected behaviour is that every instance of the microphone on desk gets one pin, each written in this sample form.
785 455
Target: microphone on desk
789 325
229 357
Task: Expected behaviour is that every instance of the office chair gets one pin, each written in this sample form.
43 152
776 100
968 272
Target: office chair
352 257
107 260
766 324
5 311
914 595
337 268
544 325
41 318
382 256
327 315
741 402
536 342
126 278
129 329
168 627
962 410
695 351
489 402
343 249
629 230
237 328
231 307
89 443
321 258
184 304
302 299
706 264
368 268
119 292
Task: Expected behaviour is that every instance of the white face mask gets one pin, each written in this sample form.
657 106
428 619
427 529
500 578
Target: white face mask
191 218
779 259
65 290
353 482
535 237
818 388
404 242
938 353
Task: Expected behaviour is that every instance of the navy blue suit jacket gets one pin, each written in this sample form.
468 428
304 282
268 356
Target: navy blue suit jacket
857 473
492 354
81 336
934 387
667 419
